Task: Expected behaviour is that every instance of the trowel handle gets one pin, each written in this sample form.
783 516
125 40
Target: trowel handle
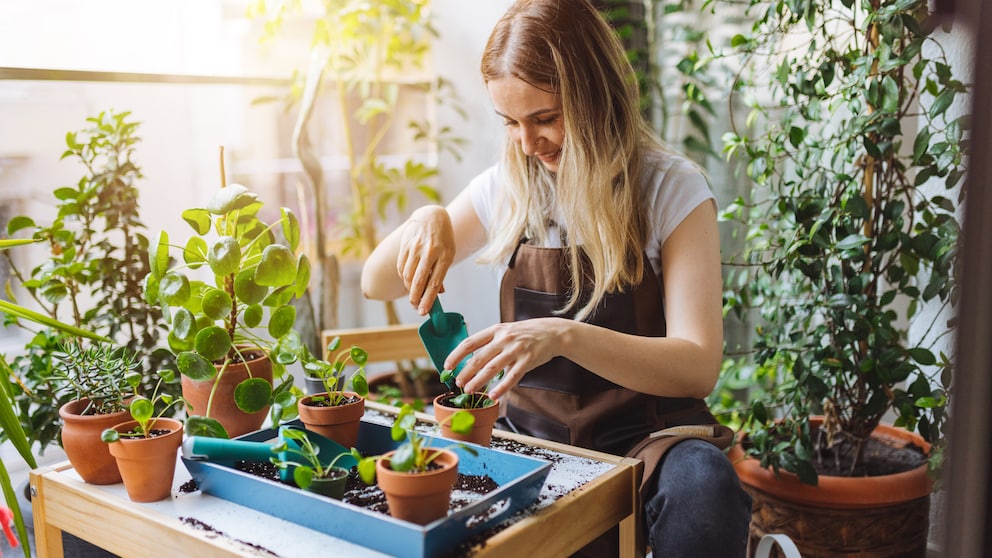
437 317
220 449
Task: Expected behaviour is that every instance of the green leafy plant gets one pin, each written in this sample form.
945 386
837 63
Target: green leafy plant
461 399
142 410
851 228
415 454
105 375
91 275
332 375
307 465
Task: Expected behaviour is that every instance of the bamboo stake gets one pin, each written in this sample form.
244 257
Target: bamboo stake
223 175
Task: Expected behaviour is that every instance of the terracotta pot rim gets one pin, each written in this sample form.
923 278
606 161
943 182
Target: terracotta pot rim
839 492
67 410
382 465
437 401
170 424
305 400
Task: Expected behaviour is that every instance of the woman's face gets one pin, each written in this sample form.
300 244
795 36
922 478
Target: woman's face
532 117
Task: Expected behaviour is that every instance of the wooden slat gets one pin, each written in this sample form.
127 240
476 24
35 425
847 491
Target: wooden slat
383 344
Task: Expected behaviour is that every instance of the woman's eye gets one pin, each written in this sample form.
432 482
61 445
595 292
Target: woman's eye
509 123
547 122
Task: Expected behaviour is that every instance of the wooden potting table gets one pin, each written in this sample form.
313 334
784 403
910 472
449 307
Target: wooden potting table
105 517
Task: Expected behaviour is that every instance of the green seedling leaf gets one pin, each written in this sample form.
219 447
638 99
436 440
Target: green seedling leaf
403 459
360 384
195 252
198 219
183 324
462 422
303 477
282 321
366 469
110 435
141 409
205 426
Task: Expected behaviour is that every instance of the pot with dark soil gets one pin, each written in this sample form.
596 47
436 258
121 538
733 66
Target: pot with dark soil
479 405
335 413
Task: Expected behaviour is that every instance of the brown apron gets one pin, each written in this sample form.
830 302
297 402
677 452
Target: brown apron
564 402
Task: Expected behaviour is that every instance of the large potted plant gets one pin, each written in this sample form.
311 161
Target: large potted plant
851 230
232 331
86 271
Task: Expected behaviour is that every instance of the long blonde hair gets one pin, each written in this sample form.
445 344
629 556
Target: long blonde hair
565 47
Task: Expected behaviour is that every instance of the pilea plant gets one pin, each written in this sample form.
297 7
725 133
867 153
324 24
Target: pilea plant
460 398
332 375
91 275
252 278
415 454
142 410
851 228
307 464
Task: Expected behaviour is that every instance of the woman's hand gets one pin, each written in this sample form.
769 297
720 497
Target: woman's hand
426 251
514 347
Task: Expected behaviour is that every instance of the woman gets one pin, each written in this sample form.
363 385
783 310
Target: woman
586 195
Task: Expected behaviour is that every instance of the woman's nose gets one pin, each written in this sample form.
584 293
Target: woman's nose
528 141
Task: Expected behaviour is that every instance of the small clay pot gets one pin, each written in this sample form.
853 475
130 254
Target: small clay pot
485 418
148 465
419 497
89 455
339 422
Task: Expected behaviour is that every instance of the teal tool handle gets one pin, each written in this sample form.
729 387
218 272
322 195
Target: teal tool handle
437 317
219 449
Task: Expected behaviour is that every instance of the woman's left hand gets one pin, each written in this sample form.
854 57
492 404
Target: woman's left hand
513 347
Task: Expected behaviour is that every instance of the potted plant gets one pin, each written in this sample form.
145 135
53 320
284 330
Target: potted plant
309 471
233 332
480 405
851 230
416 477
85 272
102 379
335 413
146 447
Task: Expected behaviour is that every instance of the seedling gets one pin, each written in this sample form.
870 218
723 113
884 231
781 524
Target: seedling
464 400
142 410
331 375
311 468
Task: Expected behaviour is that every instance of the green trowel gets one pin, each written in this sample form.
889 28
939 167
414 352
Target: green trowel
441 333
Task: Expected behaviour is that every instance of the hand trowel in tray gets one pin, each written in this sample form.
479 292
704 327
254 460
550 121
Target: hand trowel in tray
441 333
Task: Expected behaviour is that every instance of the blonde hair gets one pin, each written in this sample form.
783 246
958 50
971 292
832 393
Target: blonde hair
565 47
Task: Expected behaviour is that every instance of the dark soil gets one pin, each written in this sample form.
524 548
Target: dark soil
211 531
188 487
326 403
357 493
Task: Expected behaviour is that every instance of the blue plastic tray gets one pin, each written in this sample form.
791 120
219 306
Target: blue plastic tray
519 477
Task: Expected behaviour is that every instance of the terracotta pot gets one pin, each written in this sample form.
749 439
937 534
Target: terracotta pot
339 423
482 431
331 486
419 497
884 515
148 465
89 455
224 410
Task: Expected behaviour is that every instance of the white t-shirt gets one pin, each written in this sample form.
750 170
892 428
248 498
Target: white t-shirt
672 186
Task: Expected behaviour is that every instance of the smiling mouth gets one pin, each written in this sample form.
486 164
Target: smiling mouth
549 157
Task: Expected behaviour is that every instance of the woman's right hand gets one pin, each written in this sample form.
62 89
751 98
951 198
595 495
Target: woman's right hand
426 252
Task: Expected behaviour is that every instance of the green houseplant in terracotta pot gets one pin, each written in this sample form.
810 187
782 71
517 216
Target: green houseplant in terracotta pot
232 331
146 447
851 230
416 477
335 413
479 405
102 379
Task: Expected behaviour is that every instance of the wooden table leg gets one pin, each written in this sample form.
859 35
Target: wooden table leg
47 538
631 534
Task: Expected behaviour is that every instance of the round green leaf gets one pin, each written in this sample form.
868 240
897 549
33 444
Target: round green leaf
149 289
246 289
277 267
177 345
195 252
174 289
281 321
183 324
278 297
203 426
195 367
403 459
19 222
303 476
253 315
199 219
462 422
213 343
158 257
216 303
141 409
230 198
224 256
252 395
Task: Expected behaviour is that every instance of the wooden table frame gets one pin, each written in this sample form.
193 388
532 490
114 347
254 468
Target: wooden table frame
63 503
